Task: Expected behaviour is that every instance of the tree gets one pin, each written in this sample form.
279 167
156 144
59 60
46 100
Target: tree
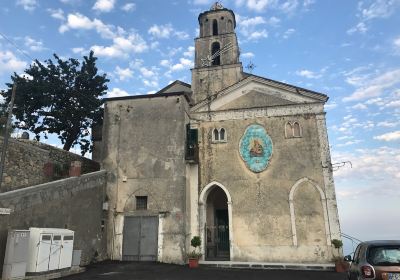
61 97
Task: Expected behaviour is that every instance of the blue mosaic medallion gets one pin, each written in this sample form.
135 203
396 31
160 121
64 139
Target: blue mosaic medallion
256 148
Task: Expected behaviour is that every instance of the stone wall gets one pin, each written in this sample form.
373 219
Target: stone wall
144 155
26 159
74 203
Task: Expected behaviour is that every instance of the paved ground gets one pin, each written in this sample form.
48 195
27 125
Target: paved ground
156 271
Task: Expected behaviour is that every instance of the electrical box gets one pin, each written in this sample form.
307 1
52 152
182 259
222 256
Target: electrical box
50 249
16 257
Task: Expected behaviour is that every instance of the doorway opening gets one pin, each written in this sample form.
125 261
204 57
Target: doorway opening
217 245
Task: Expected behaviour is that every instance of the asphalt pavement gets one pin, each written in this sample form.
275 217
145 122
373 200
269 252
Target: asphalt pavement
159 271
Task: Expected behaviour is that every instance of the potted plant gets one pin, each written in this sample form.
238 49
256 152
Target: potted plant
340 264
194 256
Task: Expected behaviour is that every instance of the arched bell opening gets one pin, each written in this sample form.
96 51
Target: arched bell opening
215 48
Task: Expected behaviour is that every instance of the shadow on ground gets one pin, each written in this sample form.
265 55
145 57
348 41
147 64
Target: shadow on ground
158 271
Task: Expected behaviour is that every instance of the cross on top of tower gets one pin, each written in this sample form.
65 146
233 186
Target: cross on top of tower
216 6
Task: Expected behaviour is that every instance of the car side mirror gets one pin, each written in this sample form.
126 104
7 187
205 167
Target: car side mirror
348 258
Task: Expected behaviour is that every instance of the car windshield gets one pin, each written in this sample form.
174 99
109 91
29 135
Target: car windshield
384 255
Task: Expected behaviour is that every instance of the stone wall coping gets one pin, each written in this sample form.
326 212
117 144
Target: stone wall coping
24 144
51 185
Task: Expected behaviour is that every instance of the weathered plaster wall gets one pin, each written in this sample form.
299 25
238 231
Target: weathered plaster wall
26 158
73 203
262 222
144 154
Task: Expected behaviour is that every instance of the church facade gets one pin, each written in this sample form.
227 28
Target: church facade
240 160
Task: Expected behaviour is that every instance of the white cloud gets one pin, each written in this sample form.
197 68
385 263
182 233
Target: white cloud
56 13
128 7
360 28
376 86
165 63
33 45
166 31
147 73
288 33
116 92
79 21
370 164
387 124
183 64
246 22
330 106
359 106
28 5
9 63
250 27
377 9
394 104
396 44
201 2
78 50
289 6
189 52
308 74
123 73
111 51
104 5
257 5
390 136
247 55
255 35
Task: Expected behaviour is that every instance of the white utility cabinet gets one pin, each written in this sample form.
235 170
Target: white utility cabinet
50 249
16 257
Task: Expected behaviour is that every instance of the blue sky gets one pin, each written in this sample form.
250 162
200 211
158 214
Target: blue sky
349 50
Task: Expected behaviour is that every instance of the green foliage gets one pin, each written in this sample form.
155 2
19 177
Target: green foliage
61 97
195 242
3 119
337 243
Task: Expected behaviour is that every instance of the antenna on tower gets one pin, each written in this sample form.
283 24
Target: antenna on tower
250 67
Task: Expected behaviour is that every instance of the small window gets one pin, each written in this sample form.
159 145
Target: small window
219 135
46 237
293 130
288 130
215 27
57 237
141 203
216 135
230 26
296 130
69 237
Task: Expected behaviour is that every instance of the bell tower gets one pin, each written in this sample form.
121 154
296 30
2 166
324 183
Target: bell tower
216 64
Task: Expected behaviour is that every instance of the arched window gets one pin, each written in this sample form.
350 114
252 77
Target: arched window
215 48
201 30
293 130
230 26
216 135
222 134
296 130
215 27
288 130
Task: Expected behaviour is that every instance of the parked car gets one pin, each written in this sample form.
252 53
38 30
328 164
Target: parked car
378 260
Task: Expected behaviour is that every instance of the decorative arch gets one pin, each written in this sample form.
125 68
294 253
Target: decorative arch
202 214
324 208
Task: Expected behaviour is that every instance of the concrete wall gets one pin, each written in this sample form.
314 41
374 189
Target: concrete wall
26 158
262 222
144 155
74 203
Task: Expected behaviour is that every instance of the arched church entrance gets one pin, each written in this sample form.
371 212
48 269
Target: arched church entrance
217 225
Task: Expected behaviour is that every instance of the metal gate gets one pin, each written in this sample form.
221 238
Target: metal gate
140 238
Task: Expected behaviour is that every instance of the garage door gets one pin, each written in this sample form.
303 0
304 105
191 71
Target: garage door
140 238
